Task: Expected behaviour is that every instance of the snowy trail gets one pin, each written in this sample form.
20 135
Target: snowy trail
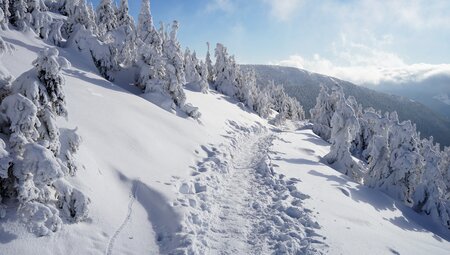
238 205
133 196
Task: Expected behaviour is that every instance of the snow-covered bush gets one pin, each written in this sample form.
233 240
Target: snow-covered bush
344 126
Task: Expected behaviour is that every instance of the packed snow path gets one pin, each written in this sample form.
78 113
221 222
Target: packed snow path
238 205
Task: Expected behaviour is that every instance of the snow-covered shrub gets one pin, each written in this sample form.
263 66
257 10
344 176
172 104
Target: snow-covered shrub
344 126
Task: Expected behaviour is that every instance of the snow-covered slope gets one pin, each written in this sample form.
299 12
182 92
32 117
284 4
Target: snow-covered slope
227 184
354 218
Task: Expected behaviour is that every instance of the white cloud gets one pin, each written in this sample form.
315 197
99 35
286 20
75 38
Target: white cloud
364 64
283 10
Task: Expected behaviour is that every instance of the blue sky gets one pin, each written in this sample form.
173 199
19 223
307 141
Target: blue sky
364 41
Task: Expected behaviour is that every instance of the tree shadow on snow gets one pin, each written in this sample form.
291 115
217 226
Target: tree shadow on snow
162 216
166 222
409 219
22 44
6 236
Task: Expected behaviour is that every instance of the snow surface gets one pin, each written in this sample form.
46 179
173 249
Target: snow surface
227 184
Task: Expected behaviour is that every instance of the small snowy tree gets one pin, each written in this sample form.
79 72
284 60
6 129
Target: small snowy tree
174 67
405 161
209 65
227 72
429 195
55 35
262 104
106 18
125 36
322 113
5 10
202 69
19 16
344 129
18 119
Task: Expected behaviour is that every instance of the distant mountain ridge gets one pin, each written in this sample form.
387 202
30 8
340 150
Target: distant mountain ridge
305 86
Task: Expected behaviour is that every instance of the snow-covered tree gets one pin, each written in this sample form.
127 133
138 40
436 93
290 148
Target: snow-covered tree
125 36
175 76
209 65
429 195
196 72
202 69
18 119
375 131
106 18
5 14
55 35
19 16
153 70
79 13
247 90
48 66
344 126
227 72
36 171
262 104
322 113
405 161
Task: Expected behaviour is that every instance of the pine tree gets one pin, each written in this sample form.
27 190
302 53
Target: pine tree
344 129
5 7
430 194
175 75
227 72
4 14
125 36
19 16
322 113
209 65
106 18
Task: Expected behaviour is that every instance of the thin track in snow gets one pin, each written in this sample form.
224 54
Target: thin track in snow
112 240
